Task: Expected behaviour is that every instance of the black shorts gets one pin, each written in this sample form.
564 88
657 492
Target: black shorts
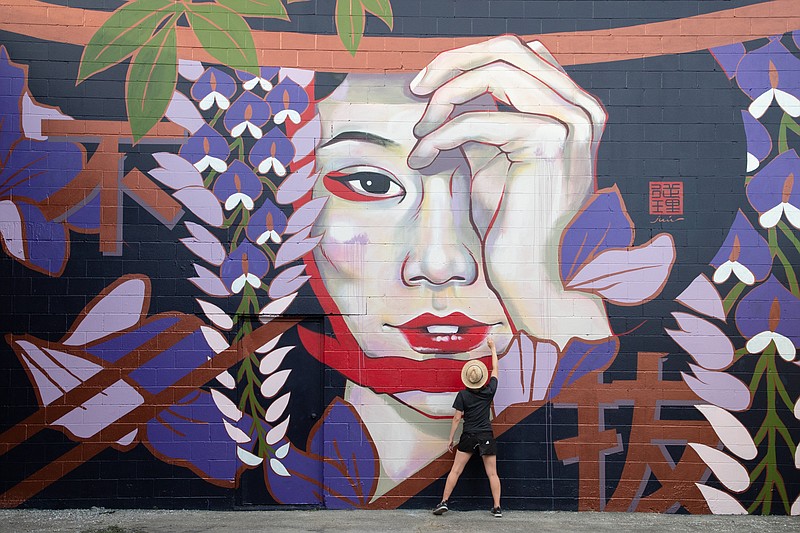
483 443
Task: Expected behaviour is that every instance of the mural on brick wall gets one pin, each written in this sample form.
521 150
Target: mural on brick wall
246 262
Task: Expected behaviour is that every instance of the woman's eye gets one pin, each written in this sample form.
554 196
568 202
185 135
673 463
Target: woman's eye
362 186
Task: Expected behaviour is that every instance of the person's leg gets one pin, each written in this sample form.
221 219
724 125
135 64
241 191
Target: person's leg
490 464
459 463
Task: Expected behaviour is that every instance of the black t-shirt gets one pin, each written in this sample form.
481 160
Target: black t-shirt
475 404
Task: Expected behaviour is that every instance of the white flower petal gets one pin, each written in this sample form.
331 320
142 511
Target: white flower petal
788 102
785 346
227 381
743 273
248 458
11 229
217 164
723 272
253 280
797 408
792 214
273 360
214 339
250 84
281 452
226 405
238 284
207 101
269 345
280 170
278 432
217 316
235 433
247 202
727 469
759 343
795 510
761 104
265 84
278 468
222 102
730 431
203 163
273 384
238 129
770 218
254 130
277 408
720 502
752 162
275 237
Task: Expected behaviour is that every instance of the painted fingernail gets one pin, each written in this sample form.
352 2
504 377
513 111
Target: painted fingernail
418 78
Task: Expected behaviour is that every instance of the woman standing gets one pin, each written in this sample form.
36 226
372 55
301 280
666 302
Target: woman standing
473 405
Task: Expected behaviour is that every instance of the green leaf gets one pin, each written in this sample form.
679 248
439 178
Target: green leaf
381 9
257 8
122 34
225 35
151 81
350 23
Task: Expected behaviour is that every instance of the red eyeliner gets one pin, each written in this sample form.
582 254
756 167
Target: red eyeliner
332 182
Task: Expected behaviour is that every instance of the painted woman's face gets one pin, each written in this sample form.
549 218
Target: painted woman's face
400 255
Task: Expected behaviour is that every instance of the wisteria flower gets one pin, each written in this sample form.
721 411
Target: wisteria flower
773 191
206 148
272 152
770 314
248 113
267 224
214 87
264 79
770 73
287 100
759 142
244 266
238 185
744 253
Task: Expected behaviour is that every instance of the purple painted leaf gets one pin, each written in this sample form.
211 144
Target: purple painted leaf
351 465
175 172
303 486
33 115
295 247
119 346
173 363
305 139
702 296
182 112
209 283
117 310
87 216
11 90
287 282
305 215
202 203
581 357
35 170
718 388
204 244
728 57
628 277
46 242
101 410
526 370
296 185
704 341
601 224
192 434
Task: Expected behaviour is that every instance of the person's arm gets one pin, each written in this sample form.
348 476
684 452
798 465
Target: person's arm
495 366
453 426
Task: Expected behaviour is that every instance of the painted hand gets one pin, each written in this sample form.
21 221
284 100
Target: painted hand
531 153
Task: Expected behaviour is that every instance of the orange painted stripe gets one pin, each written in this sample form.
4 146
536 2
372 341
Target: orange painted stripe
402 54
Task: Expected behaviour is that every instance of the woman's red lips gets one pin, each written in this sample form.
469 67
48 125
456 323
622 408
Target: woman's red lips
454 333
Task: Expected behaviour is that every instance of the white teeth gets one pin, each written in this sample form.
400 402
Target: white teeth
442 330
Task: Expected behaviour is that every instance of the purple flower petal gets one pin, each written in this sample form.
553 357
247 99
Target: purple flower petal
306 215
770 67
778 181
745 245
11 91
204 244
265 75
769 307
718 388
628 277
759 142
213 80
248 107
266 219
702 296
296 185
296 247
275 145
246 259
581 357
175 172
202 203
704 341
37 169
526 370
238 179
287 96
306 139
287 282
205 142
47 242
601 224
209 283
728 57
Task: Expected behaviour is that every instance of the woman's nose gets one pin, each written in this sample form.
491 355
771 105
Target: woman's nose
439 244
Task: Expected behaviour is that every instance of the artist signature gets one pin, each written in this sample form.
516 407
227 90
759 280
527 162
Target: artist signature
670 218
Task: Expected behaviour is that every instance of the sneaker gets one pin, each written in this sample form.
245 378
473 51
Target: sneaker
496 512
441 508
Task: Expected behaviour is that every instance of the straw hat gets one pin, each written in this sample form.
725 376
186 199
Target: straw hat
474 375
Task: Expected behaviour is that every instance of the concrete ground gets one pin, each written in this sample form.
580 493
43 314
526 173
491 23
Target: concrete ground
130 521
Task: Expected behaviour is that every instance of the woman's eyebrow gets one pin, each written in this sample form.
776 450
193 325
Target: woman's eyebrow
359 136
